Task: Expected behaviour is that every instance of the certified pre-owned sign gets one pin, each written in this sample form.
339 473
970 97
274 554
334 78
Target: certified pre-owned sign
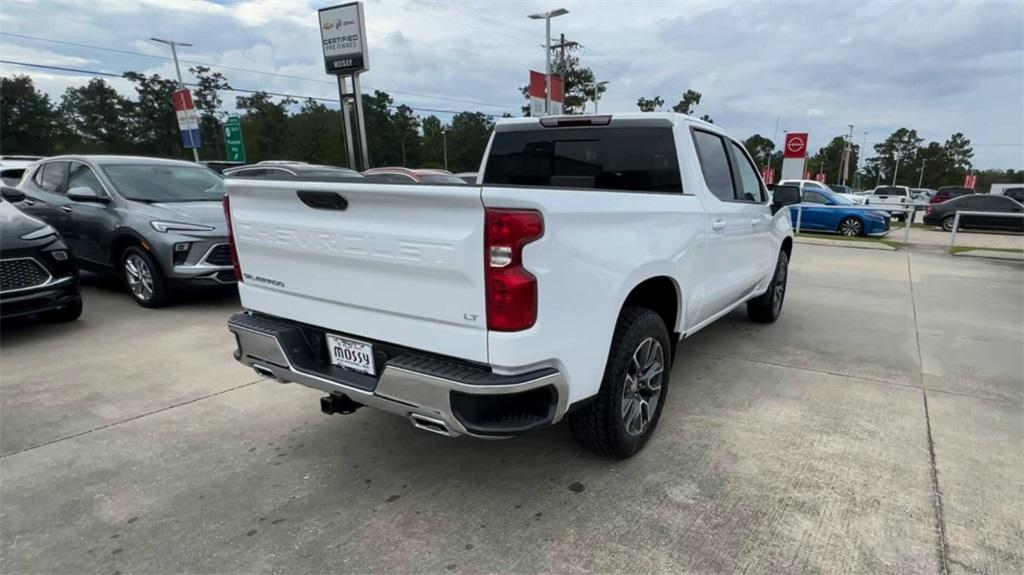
343 32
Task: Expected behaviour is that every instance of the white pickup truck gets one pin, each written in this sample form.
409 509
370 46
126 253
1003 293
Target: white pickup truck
558 287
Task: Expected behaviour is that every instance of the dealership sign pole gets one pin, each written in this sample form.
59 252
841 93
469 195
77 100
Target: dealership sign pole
343 36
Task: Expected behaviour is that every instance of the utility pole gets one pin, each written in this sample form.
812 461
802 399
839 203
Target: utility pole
181 84
863 144
846 156
597 93
921 177
546 17
896 169
444 136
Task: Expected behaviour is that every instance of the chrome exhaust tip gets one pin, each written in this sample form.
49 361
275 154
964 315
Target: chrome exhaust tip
430 424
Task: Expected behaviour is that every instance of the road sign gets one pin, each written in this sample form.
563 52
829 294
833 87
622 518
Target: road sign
188 120
796 145
233 139
343 34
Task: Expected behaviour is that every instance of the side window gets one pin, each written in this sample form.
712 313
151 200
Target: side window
81 175
996 204
813 186
55 177
812 197
37 178
971 203
749 180
714 162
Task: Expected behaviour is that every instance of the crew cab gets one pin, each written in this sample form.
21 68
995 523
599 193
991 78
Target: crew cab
556 288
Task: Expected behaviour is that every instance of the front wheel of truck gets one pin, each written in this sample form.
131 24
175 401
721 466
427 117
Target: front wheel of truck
625 412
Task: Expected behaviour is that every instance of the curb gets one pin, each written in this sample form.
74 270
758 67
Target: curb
844 244
992 254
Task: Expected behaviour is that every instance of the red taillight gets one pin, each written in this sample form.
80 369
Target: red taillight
511 290
231 239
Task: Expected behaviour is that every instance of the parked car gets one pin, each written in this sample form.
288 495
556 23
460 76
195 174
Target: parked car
944 214
37 275
1014 191
922 194
13 167
468 177
156 223
827 211
220 165
949 192
560 287
891 197
818 186
408 176
292 171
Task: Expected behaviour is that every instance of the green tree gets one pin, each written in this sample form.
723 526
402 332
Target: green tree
154 123
649 104
903 144
28 122
314 135
208 103
829 160
760 148
380 134
98 119
432 152
467 139
265 126
689 101
959 151
406 126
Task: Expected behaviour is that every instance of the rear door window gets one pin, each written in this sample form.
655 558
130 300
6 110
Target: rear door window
814 197
604 158
714 162
750 182
55 177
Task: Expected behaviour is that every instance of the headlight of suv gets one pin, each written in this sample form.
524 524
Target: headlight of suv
43 232
164 227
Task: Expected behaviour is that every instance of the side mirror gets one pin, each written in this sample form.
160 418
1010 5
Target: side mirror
785 195
12 195
85 194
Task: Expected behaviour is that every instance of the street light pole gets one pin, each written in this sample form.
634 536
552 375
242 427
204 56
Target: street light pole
921 177
444 136
177 68
896 169
547 16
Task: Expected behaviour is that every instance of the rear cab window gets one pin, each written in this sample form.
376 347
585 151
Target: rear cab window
632 159
890 191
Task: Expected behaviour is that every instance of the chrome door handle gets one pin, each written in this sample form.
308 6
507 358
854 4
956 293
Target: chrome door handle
66 209
717 224
756 222
28 203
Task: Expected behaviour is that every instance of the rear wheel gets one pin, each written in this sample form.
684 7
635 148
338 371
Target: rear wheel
627 408
143 278
767 307
851 227
947 223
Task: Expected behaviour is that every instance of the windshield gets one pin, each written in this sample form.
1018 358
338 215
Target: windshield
441 179
165 183
840 200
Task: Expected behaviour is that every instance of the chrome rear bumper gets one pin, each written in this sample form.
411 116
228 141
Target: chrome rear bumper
409 388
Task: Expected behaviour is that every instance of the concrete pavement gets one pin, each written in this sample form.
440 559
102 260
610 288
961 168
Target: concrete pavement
877 427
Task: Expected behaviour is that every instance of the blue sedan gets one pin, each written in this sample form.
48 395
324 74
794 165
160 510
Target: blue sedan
824 211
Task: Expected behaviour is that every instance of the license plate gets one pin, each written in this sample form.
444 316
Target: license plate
351 354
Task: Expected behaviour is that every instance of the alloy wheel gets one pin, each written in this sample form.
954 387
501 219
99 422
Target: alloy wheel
779 286
850 228
139 276
642 388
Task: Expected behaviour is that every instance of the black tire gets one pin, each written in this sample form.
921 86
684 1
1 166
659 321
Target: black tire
155 292
602 425
947 223
766 308
851 227
64 314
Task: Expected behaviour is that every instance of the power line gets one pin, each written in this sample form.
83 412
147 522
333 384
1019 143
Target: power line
244 70
240 90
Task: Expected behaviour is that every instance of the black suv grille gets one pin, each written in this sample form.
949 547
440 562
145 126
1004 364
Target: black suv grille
21 273
220 255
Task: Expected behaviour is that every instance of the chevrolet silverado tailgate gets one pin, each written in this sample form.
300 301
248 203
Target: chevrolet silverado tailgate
391 262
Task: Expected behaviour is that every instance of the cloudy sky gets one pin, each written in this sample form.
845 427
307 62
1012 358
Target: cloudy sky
937 67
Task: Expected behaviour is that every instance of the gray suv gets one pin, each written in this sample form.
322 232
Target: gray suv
156 223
